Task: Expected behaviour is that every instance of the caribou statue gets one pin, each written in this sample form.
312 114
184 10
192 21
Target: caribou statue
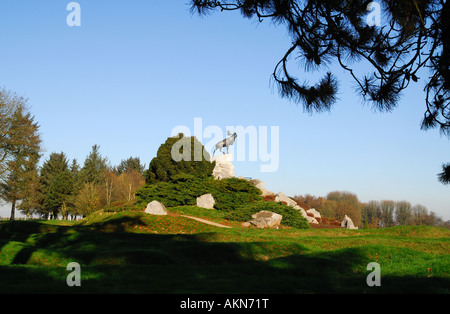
226 142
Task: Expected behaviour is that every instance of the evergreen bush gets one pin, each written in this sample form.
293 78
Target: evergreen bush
229 194
232 193
291 217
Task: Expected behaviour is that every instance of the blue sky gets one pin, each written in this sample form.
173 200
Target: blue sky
136 69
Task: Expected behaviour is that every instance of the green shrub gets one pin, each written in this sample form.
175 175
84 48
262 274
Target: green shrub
232 193
229 194
170 193
291 217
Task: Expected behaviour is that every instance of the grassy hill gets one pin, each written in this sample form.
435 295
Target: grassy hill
133 252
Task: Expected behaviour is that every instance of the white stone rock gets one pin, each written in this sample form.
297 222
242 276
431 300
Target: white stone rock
312 220
156 208
259 185
265 192
266 219
256 182
348 223
281 197
314 212
224 166
206 201
302 211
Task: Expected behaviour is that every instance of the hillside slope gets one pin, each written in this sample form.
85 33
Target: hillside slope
132 252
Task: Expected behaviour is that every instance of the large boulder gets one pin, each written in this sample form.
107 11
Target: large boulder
206 201
224 166
266 219
301 210
312 220
314 212
266 192
156 208
348 223
281 197
261 186
311 215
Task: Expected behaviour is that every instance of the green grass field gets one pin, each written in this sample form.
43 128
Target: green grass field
132 252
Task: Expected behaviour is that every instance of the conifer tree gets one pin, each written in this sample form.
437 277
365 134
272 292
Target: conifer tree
22 148
195 161
60 194
130 164
54 166
94 167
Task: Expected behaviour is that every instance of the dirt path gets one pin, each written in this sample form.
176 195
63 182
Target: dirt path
206 221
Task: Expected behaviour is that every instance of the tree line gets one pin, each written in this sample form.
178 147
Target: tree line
373 214
61 187
68 190
58 187
20 150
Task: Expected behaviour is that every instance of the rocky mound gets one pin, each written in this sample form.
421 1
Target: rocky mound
312 215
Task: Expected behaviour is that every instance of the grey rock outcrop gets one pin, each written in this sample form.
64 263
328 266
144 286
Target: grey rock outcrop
281 197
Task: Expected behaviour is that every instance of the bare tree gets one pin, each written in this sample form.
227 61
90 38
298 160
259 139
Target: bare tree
371 213
127 185
420 213
403 213
387 209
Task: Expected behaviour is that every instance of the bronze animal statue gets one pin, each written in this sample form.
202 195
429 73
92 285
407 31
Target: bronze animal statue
226 142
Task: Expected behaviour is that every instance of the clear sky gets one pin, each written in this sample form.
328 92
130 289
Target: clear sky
137 69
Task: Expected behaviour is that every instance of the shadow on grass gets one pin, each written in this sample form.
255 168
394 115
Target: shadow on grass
120 262
118 224
29 227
